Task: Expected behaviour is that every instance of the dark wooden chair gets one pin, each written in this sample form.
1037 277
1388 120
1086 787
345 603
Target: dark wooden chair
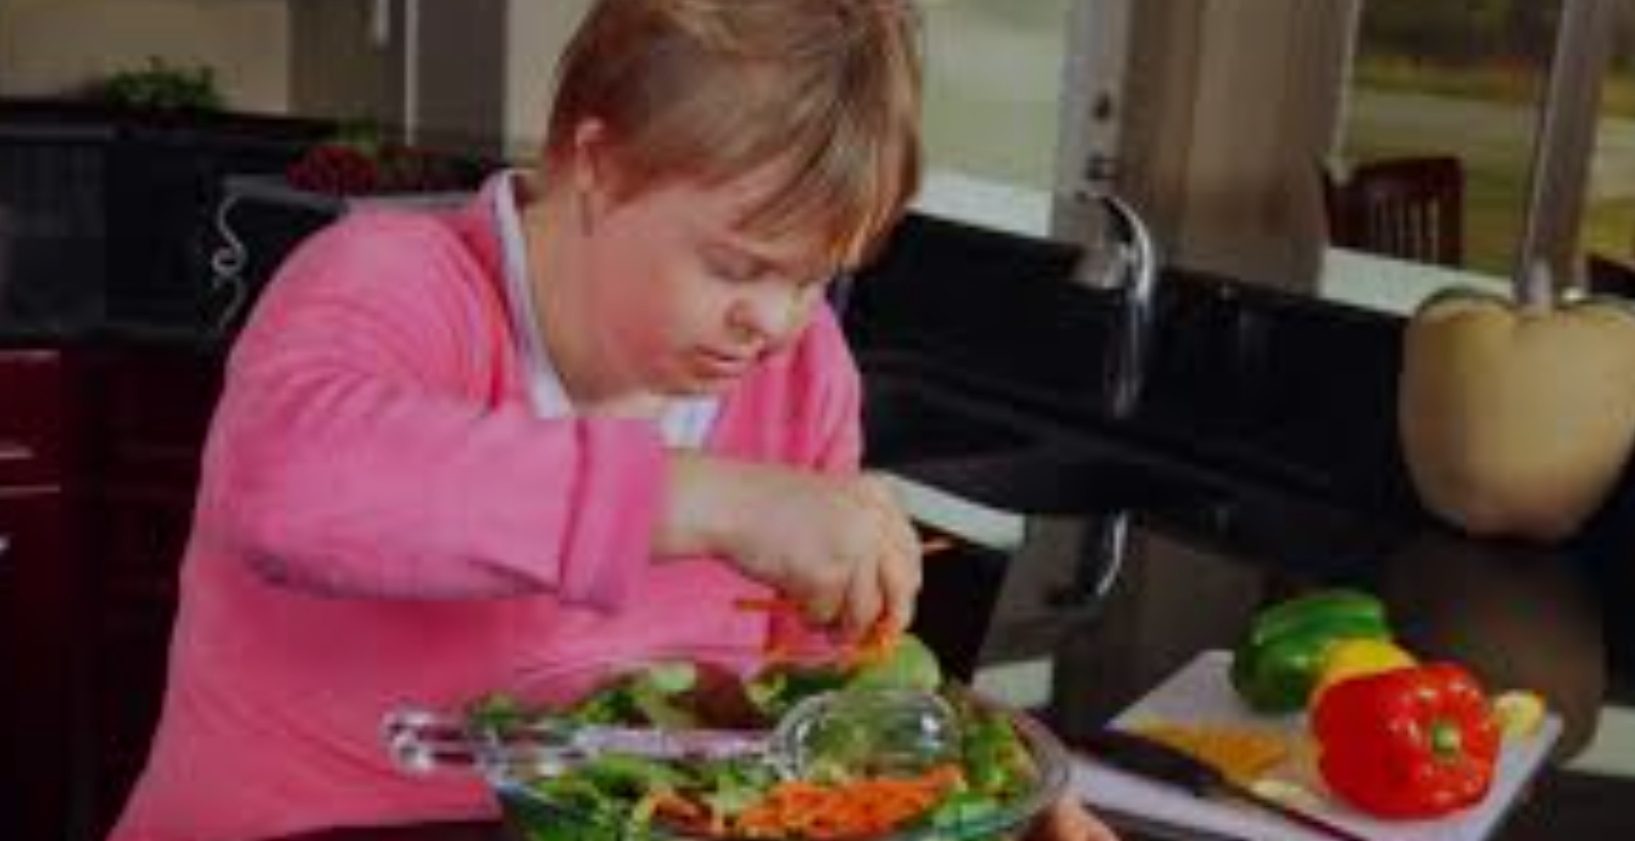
1610 276
1411 208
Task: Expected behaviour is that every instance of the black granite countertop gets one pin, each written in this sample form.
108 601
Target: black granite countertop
1176 580
1245 376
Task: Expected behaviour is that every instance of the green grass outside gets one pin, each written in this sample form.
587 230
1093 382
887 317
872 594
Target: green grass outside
1610 228
1500 82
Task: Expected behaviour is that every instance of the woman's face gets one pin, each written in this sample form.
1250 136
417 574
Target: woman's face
686 302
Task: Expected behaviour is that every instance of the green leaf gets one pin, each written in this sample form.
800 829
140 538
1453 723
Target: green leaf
497 711
731 786
630 777
655 693
777 688
670 678
911 665
962 808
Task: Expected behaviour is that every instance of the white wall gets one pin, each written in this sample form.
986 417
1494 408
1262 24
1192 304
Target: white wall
50 47
536 31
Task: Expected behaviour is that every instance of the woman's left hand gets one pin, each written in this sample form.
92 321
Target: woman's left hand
1068 820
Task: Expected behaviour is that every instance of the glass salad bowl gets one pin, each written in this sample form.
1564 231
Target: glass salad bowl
716 745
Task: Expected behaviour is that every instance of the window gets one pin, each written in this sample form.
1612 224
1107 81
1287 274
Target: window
993 104
1460 78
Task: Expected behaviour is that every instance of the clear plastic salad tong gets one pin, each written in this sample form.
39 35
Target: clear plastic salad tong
879 728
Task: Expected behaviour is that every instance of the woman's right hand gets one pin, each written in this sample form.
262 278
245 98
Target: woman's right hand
839 546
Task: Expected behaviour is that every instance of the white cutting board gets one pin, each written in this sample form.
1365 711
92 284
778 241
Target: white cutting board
1202 692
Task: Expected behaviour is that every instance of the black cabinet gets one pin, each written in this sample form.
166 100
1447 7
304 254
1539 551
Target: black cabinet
108 215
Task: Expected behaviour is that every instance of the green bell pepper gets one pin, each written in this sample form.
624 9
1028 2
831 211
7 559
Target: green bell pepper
1277 664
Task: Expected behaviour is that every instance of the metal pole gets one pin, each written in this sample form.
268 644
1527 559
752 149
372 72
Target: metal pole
1564 144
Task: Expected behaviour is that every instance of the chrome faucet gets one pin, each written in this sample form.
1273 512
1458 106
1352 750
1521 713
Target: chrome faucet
1119 256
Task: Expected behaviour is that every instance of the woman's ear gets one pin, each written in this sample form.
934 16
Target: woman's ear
594 175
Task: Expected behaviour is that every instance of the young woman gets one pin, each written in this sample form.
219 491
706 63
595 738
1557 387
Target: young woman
578 419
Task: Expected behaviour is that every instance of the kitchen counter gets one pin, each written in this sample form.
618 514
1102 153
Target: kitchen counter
1535 821
1522 618
1093 610
1556 811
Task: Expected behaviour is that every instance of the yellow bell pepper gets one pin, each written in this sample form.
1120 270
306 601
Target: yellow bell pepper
1346 659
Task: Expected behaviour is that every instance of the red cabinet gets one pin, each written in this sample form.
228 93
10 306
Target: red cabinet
34 403
99 453
41 596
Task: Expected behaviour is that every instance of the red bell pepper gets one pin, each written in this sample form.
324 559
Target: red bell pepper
1415 742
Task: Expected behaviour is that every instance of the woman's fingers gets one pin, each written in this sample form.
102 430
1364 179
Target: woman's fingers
822 591
900 577
900 564
864 599
827 607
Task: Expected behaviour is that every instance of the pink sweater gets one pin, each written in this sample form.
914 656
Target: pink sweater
383 520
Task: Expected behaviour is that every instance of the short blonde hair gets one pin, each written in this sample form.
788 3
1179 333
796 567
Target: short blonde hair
824 92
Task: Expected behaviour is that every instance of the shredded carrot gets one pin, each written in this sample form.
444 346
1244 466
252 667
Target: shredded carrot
820 812
875 645
681 813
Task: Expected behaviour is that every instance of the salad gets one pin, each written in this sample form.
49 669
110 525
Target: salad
992 779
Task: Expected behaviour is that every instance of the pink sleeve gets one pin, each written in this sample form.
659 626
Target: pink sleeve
841 450
355 450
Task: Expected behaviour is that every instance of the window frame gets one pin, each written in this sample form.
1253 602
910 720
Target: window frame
1568 115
